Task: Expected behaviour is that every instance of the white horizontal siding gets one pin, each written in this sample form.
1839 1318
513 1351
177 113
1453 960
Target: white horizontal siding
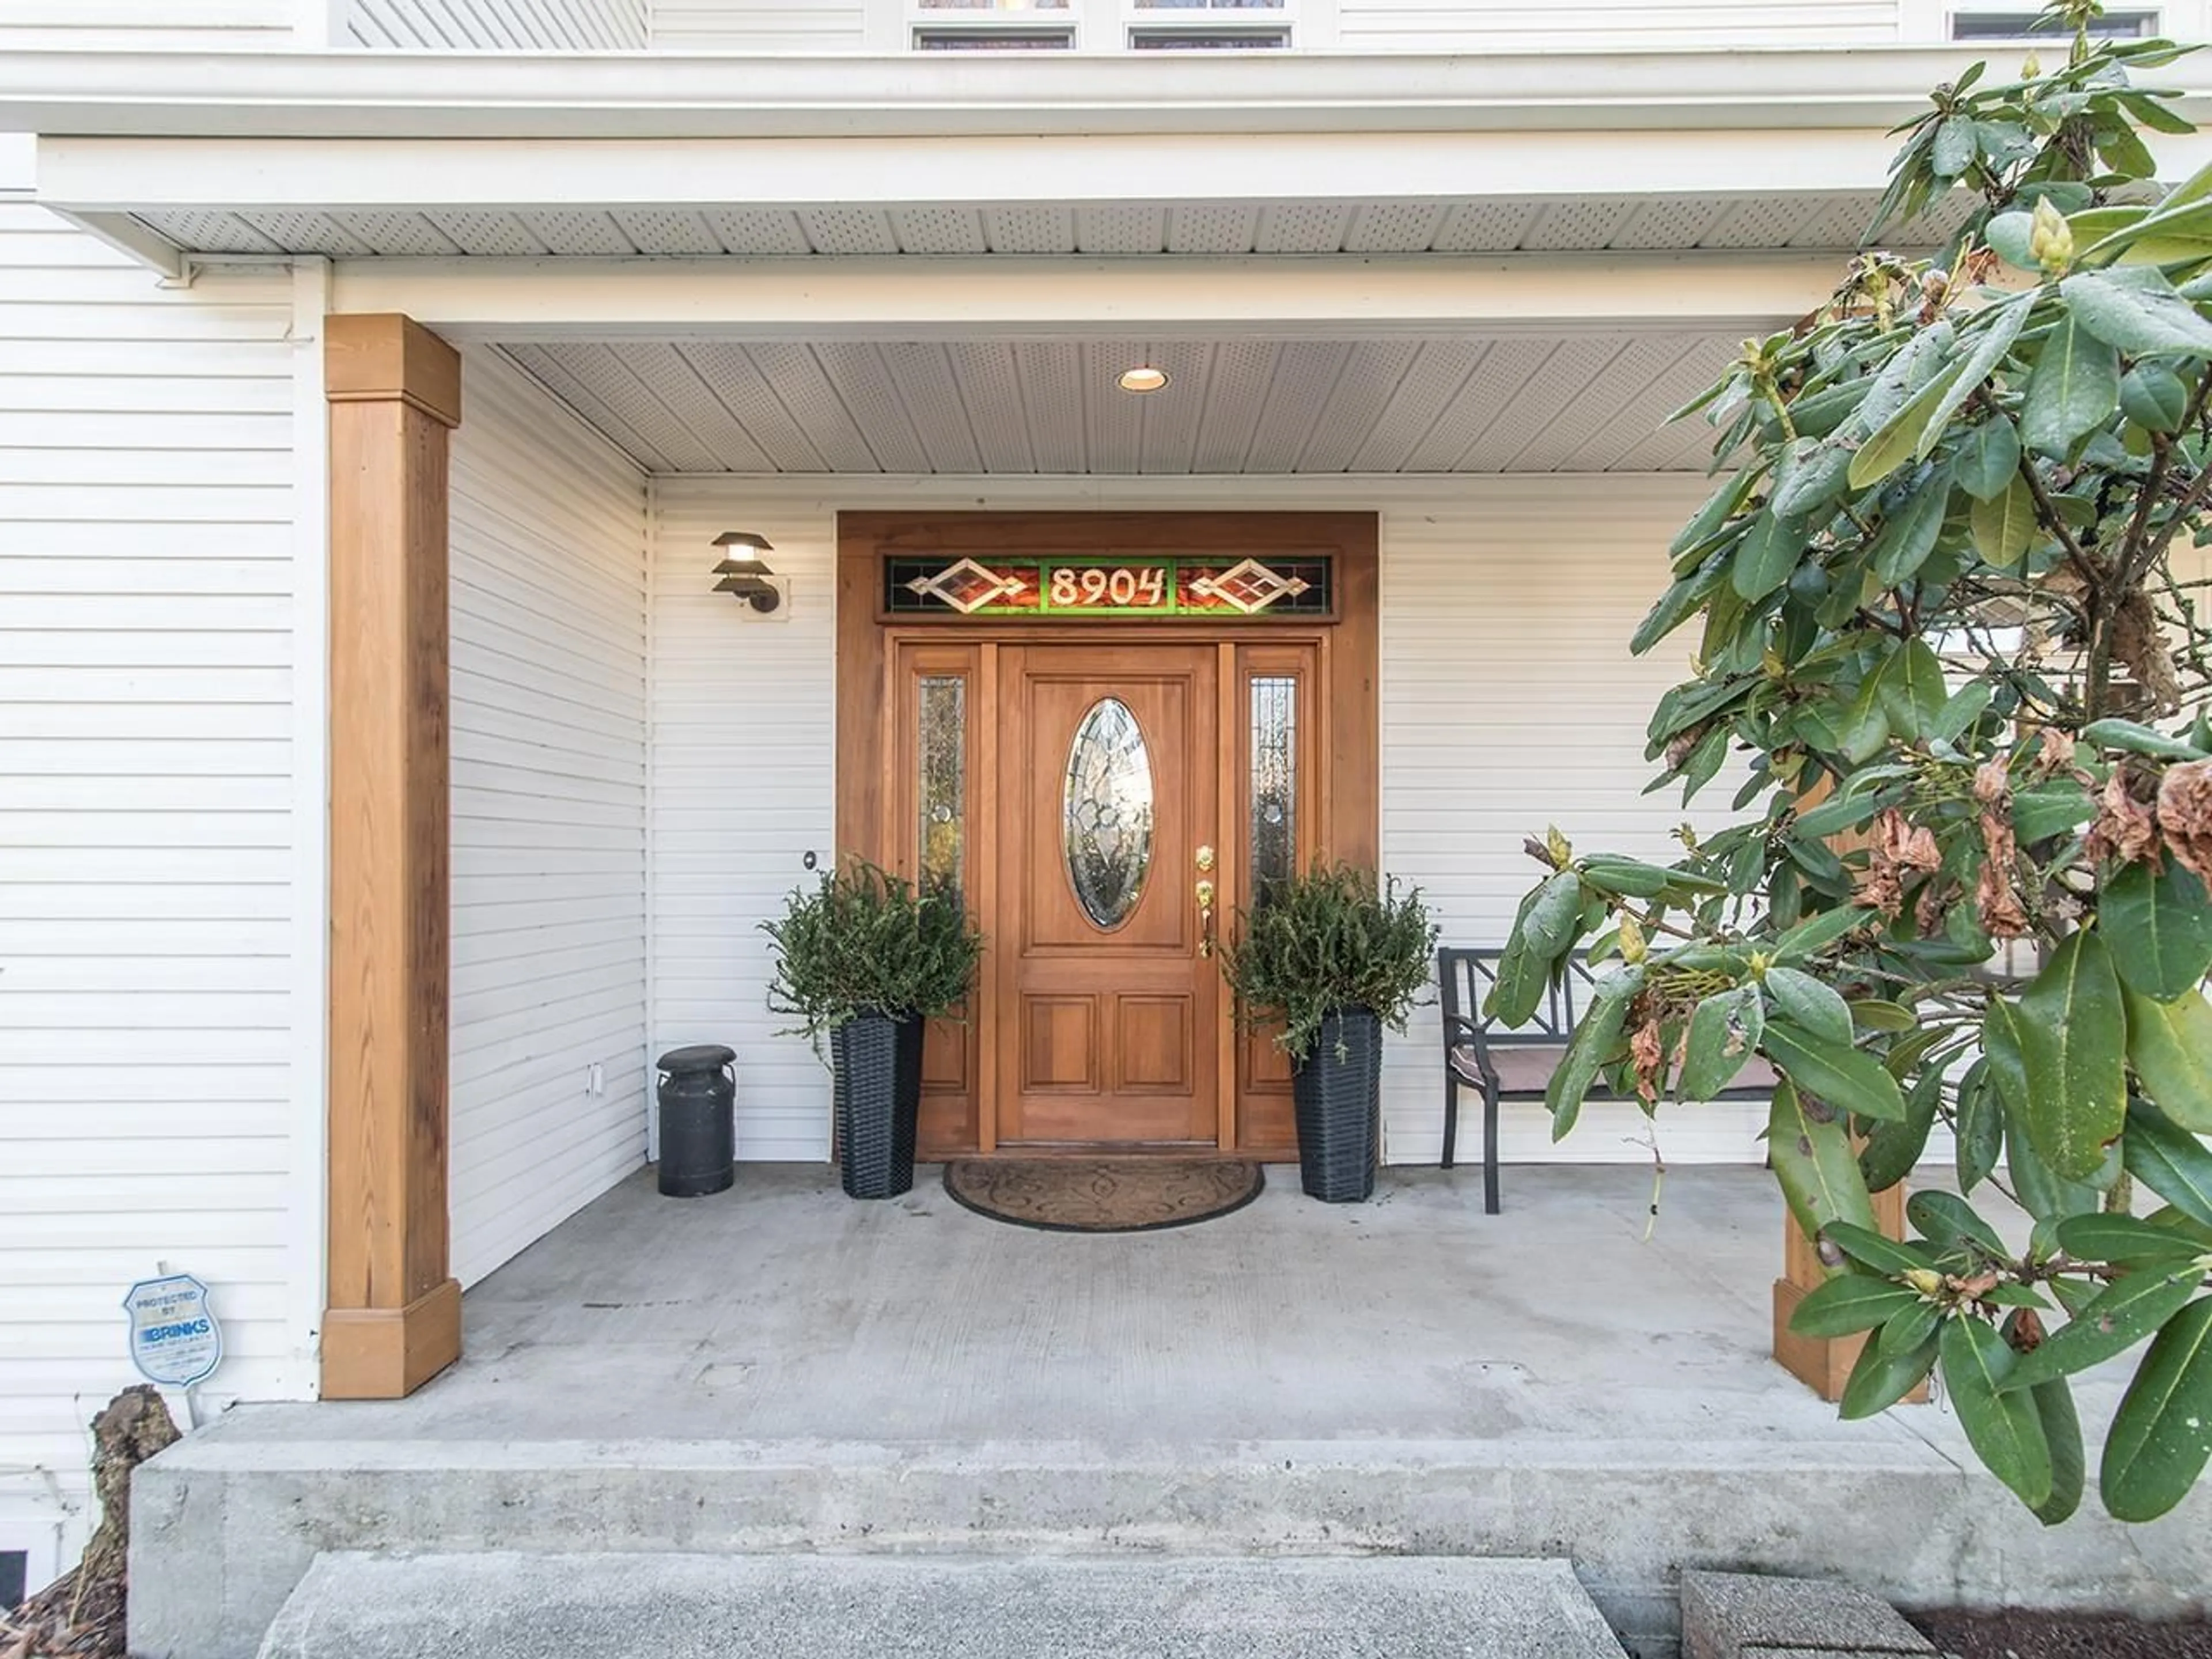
154 1000
147 25
1621 25
758 26
498 25
549 804
1509 701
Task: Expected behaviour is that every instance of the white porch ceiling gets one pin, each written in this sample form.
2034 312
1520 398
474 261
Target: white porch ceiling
1811 221
1511 403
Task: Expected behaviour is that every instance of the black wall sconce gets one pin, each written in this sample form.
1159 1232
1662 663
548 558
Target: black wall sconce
744 572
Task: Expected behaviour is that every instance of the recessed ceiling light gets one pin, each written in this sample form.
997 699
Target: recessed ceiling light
1143 377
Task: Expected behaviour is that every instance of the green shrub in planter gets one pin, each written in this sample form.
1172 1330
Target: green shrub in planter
863 959
1334 960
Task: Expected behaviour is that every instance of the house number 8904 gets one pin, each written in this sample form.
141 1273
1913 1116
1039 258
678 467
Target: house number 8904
1143 586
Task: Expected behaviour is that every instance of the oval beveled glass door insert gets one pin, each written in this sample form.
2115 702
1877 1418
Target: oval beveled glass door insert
1107 813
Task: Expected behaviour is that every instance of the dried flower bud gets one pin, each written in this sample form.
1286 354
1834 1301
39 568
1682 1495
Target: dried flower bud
2185 815
2051 239
1561 849
1926 1280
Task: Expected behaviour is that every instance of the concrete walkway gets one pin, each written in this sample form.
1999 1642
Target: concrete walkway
778 1368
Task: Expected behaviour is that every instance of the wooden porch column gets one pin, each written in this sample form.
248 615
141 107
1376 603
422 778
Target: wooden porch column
1824 1363
393 1319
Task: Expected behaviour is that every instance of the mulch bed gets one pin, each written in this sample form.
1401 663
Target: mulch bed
2022 1635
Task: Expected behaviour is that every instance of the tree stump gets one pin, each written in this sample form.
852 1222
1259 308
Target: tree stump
81 1614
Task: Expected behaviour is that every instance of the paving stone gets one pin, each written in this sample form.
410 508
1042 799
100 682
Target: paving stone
1734 1615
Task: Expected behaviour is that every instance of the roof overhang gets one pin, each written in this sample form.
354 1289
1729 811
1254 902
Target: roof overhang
430 94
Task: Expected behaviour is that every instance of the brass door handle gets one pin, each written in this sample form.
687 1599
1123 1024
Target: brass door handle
1205 893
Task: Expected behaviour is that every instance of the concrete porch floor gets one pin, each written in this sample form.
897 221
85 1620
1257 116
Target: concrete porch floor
780 1368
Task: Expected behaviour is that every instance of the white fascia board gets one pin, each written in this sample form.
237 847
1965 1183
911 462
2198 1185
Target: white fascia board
348 93
111 174
1016 298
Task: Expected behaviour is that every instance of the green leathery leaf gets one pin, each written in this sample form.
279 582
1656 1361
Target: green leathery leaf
2169 1160
1705 761
1879 1380
2158 926
2004 1431
1815 1165
2161 1437
1909 537
1849 1303
2073 1047
1523 971
2073 389
2062 1429
1908 1328
1864 728
2047 1196
1716 511
1595 1037
1809 1003
2137 738
1767 556
1946 1220
2010 234
2002 1052
2003 527
1980 1128
1847 1078
2137 311
1816 934
2127 1239
1913 692
1550 925
1877 1251
2123 1314
1989 459
1953 150
1899 440
1811 473
2044 810
1630 877
1892 1150
1833 816
1961 710
1880 1014
1725 1029
2170 1046
1676 605
1995 337
2153 397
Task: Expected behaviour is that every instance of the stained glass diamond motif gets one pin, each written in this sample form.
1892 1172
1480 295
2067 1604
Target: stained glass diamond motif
1249 586
967 587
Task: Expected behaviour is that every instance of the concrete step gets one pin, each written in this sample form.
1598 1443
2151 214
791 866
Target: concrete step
508 1605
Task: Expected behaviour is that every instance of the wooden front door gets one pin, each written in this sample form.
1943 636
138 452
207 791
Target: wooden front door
1109 997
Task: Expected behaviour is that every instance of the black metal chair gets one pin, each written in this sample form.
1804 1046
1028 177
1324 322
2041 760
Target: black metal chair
1517 1064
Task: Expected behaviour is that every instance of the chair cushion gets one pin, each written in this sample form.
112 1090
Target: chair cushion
1526 1070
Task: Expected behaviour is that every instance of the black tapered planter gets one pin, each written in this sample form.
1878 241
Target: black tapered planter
876 1067
1336 1091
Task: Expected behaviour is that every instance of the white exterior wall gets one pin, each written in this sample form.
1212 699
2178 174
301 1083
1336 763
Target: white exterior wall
549 813
161 833
1509 700
1626 25
498 24
768 26
159 25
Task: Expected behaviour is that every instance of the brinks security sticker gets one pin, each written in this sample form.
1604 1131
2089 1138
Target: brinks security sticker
174 1339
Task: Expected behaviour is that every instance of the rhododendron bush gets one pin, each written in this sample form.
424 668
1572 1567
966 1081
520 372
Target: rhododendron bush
1945 612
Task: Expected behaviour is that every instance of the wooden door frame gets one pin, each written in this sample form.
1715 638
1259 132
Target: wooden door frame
1348 780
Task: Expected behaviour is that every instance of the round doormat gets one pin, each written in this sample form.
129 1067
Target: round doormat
1103 1195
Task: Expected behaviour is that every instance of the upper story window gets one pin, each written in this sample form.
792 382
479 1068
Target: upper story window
2030 25
927 40
1207 39
1097 24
